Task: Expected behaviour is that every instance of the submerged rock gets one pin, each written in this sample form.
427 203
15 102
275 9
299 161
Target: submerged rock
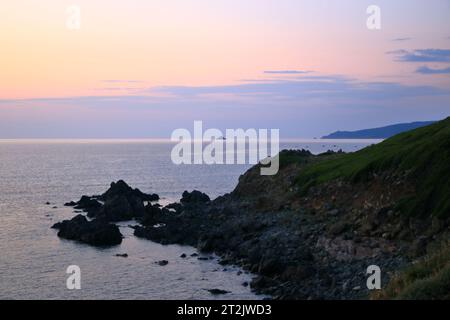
122 255
162 263
218 291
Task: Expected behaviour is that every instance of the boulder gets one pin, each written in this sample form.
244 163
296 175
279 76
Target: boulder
124 203
122 255
87 202
97 232
89 205
121 203
151 215
194 197
118 208
162 263
122 188
146 197
218 291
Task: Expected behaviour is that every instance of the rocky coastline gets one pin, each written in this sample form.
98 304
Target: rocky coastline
312 230
296 251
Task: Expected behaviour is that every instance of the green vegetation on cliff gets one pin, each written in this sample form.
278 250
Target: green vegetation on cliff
428 279
421 158
424 154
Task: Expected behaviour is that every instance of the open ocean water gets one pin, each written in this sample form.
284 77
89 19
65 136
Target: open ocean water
33 260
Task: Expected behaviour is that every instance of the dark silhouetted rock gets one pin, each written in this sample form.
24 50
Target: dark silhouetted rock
120 188
151 214
194 197
162 263
203 258
270 267
218 291
89 205
122 255
145 197
118 208
96 232
124 203
261 282
121 203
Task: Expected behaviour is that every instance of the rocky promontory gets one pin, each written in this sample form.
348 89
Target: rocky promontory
119 203
312 230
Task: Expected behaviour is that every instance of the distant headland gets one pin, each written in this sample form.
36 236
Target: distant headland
378 133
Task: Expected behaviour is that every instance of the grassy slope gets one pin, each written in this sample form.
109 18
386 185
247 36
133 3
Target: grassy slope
423 152
428 279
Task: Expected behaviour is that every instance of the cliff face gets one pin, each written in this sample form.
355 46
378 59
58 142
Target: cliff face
385 187
388 204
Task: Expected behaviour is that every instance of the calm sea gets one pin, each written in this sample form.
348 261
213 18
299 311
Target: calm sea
33 260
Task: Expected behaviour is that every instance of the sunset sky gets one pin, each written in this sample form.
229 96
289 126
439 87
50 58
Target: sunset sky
140 69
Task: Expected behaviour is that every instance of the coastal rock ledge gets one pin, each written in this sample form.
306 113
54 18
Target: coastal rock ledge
97 232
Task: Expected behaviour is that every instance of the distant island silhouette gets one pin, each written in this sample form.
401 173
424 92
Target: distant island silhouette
378 133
